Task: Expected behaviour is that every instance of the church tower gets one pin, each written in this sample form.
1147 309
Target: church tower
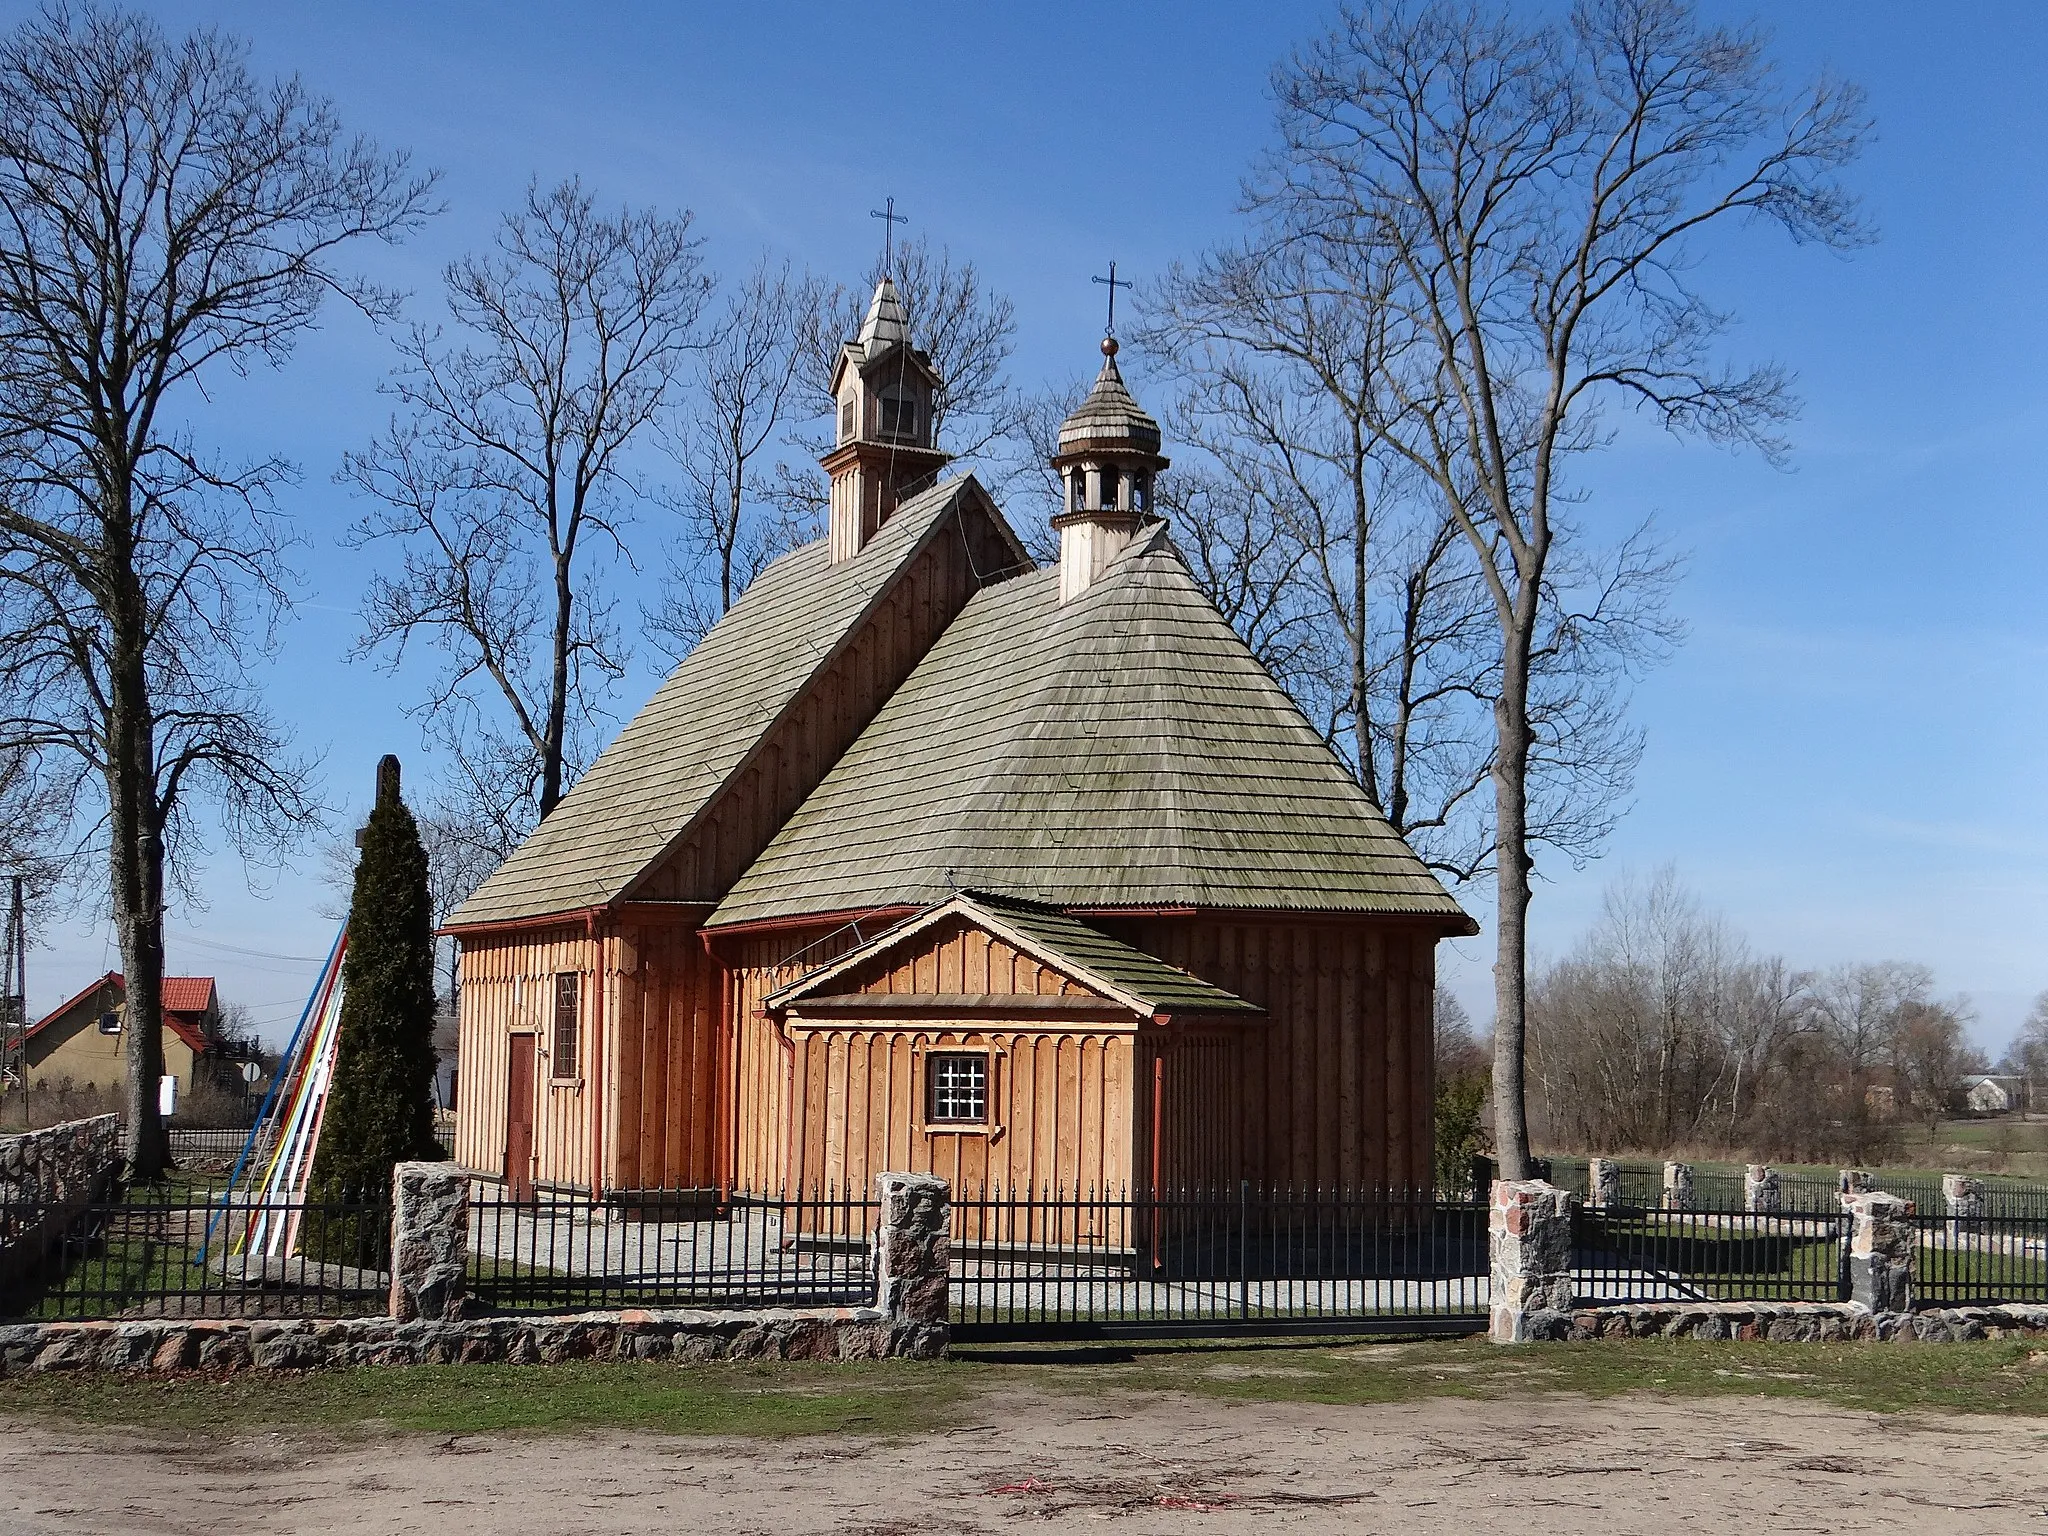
882 387
1109 452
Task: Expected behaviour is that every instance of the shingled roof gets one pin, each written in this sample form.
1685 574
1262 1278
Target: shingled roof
665 769
1124 749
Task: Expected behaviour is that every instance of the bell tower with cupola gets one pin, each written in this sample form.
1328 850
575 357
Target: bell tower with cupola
1109 454
882 391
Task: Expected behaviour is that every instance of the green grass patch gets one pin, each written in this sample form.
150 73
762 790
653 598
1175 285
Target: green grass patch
899 1398
2004 1377
766 1400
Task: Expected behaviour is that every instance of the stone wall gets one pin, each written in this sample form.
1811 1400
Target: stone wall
1796 1322
845 1333
47 1178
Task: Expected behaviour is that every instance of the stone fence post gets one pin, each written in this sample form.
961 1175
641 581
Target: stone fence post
1529 1239
1854 1181
429 1242
914 1247
1678 1186
1603 1181
1881 1244
1760 1188
1963 1196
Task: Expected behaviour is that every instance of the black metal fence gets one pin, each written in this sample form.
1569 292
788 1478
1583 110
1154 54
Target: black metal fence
1026 1263
1642 1253
680 1249
181 1252
1241 1259
1981 1260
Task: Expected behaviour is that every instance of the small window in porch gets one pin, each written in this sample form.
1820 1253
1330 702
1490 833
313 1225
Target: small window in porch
956 1088
568 1015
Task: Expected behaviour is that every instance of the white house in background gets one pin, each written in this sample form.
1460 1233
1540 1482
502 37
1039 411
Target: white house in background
1991 1095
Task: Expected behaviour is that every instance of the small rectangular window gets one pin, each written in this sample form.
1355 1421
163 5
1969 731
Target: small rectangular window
568 1016
957 1088
846 418
899 416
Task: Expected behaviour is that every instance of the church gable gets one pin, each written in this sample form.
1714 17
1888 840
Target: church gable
983 954
755 716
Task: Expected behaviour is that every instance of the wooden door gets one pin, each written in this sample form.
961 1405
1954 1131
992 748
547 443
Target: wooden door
519 1120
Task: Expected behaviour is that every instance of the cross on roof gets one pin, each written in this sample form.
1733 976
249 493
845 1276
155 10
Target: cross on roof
1112 282
890 219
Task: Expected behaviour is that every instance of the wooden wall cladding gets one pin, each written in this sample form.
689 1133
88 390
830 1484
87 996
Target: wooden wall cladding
957 957
1060 1109
508 986
1336 1082
672 1061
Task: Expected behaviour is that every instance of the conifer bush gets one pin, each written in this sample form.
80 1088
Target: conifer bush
380 1103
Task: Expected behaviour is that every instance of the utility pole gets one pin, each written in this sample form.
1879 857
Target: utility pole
14 999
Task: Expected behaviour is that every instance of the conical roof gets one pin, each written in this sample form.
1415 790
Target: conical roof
886 325
1109 417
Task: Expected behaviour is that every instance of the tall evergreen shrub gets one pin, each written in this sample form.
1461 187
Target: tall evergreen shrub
380 1102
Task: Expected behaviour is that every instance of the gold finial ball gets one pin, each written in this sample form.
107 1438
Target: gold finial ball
1109 346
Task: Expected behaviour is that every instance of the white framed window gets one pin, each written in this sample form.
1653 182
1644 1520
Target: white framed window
956 1088
849 417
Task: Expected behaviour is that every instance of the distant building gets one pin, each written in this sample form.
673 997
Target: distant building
80 1040
1986 1095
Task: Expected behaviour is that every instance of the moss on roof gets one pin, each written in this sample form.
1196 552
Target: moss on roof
666 768
1122 750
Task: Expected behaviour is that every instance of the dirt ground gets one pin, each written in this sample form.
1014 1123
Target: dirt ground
1165 1463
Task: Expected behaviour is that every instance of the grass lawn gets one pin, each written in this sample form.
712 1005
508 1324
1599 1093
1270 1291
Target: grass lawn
893 1399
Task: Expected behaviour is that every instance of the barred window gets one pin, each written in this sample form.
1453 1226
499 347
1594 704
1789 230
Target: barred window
957 1088
568 1015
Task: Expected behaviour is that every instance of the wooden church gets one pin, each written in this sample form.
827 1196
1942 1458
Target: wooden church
926 858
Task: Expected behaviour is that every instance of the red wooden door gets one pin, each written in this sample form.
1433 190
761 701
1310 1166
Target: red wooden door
519 1120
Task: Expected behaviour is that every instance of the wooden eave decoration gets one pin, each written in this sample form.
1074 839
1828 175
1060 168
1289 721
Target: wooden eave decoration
1134 985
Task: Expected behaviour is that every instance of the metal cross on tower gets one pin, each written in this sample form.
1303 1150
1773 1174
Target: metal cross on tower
1112 283
890 219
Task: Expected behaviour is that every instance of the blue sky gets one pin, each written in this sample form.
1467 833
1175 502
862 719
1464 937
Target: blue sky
1842 757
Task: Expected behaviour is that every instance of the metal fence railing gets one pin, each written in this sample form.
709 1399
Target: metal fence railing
177 1252
679 1249
1243 1258
1980 1260
1642 1253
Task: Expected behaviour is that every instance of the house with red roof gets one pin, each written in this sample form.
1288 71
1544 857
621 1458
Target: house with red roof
80 1040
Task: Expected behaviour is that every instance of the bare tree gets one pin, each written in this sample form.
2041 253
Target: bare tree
747 382
1535 192
503 479
167 216
2027 1056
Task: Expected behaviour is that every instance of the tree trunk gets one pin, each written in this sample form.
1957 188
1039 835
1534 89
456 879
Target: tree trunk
138 887
1511 963
558 694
